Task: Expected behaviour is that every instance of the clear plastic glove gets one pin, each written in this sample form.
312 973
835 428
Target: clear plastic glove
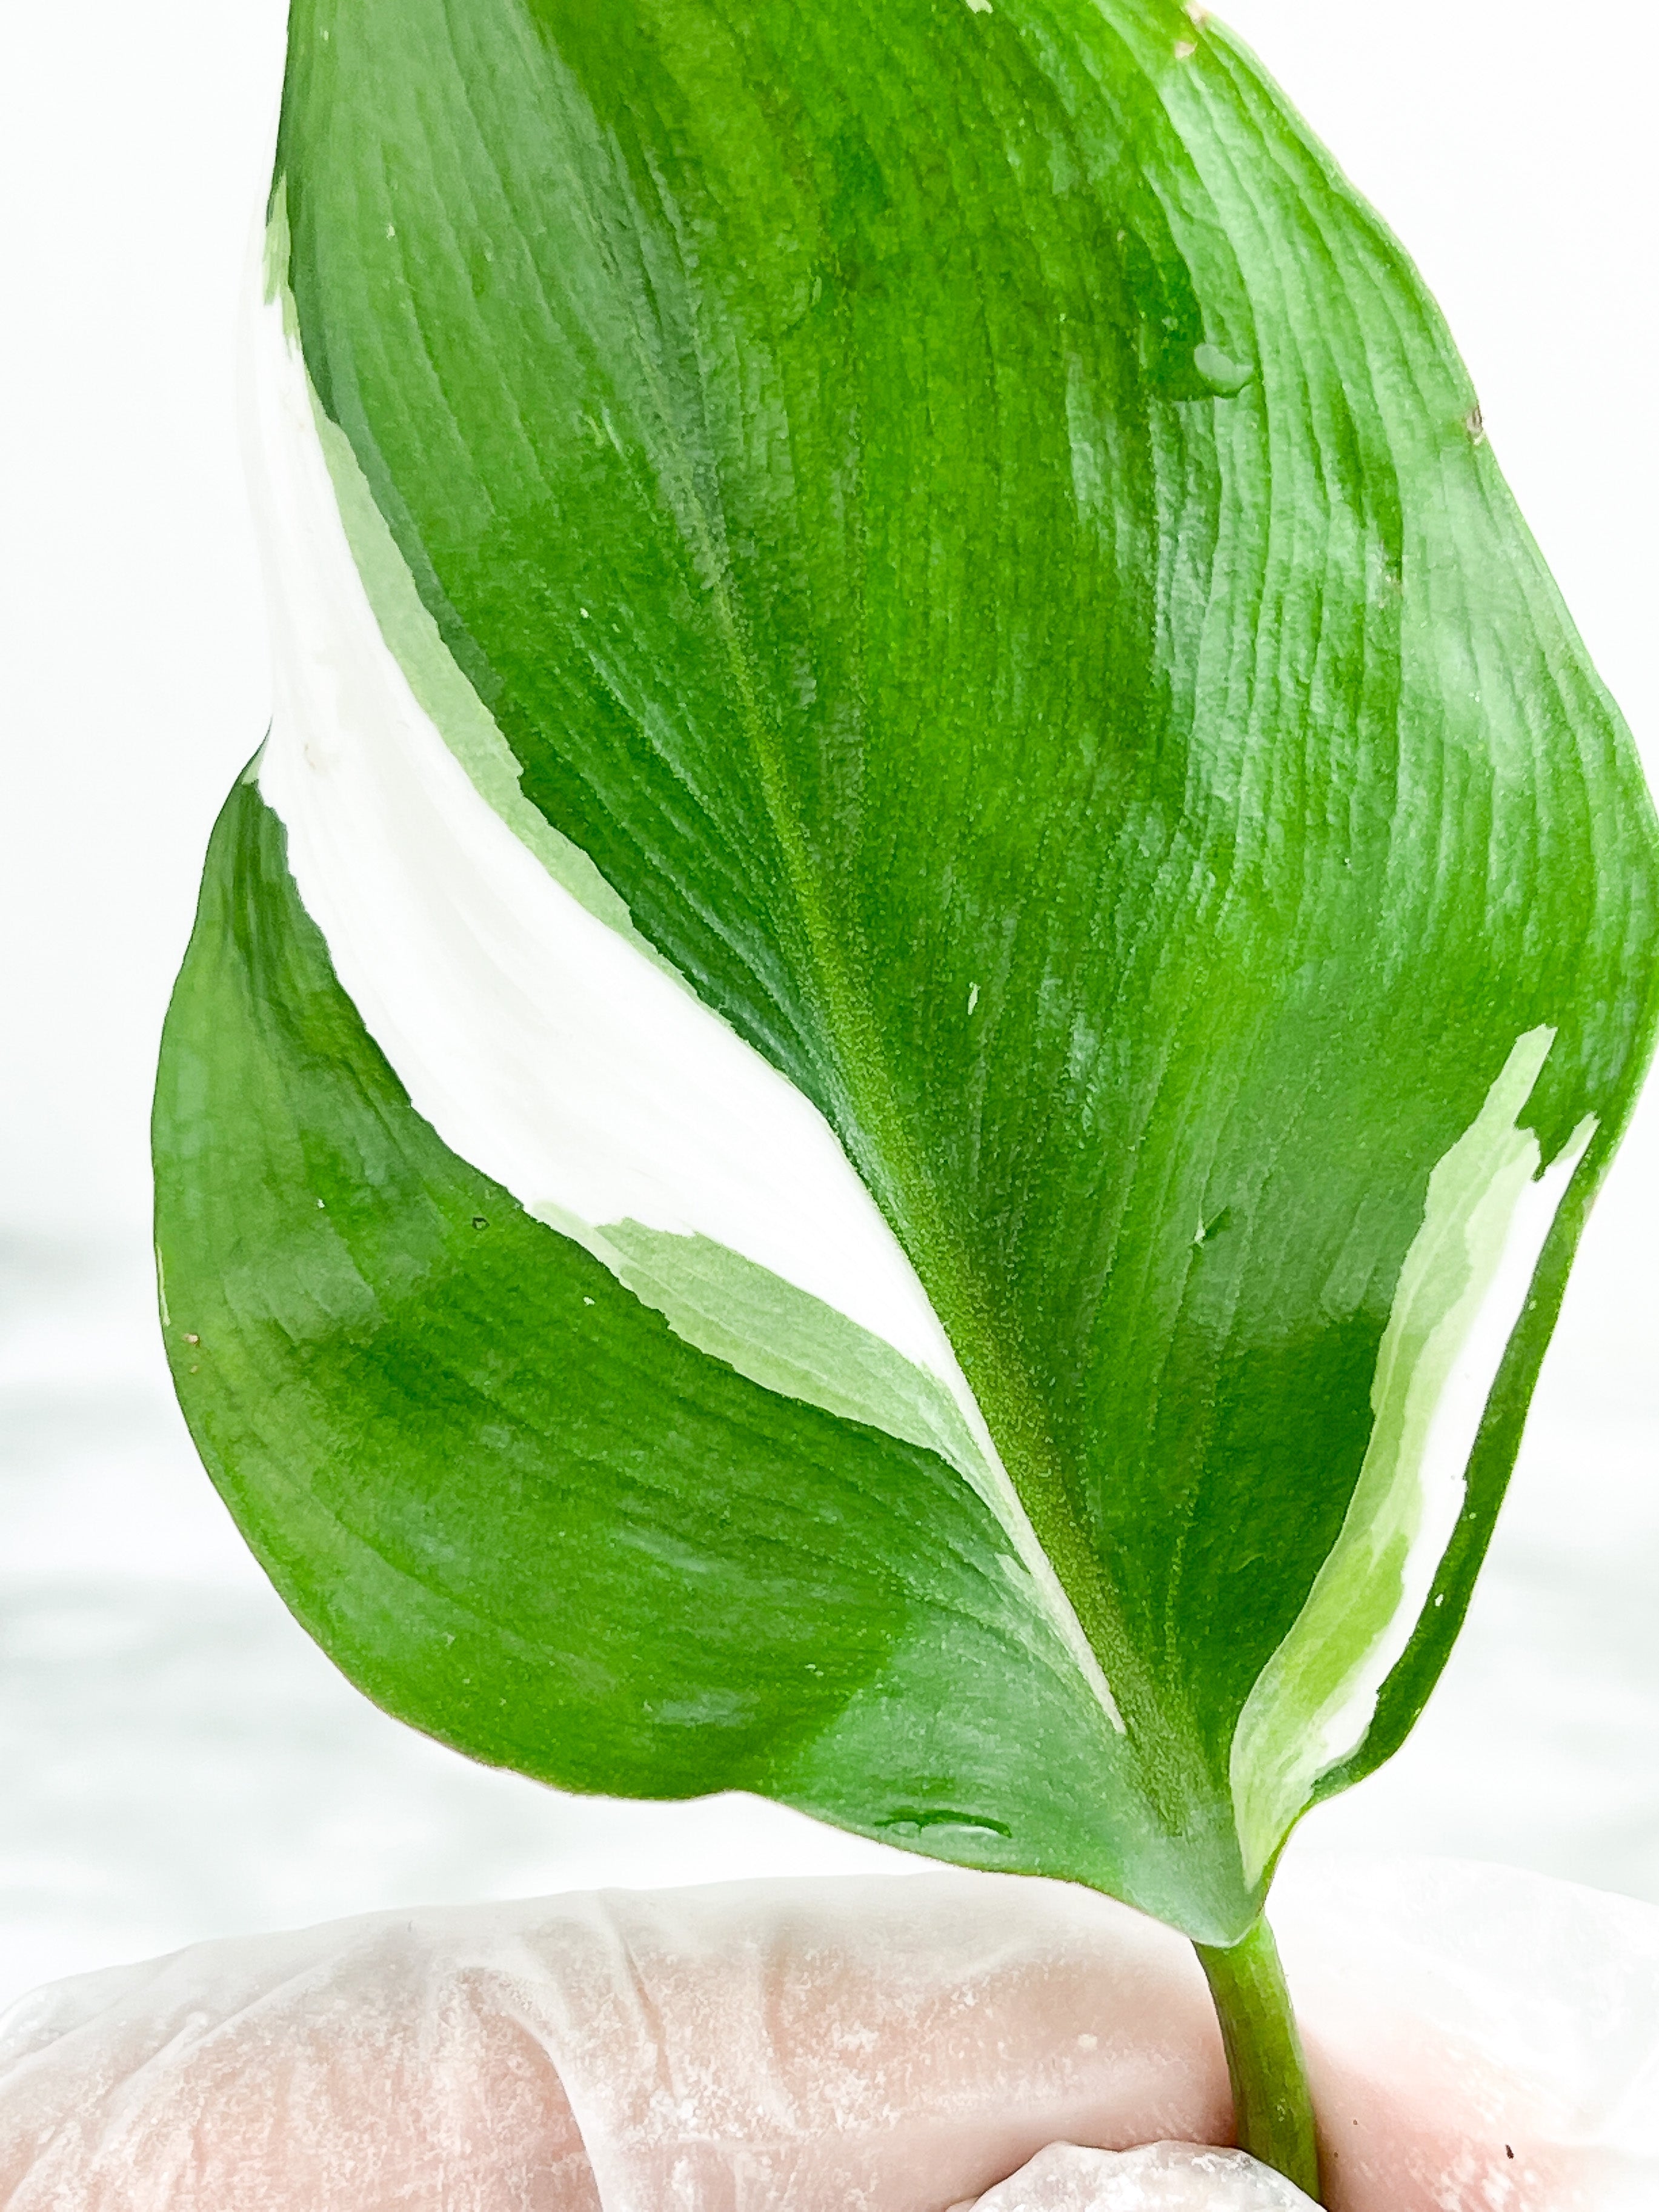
1480 2041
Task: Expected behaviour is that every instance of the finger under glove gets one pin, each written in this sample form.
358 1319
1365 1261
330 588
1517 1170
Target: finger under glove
1476 2038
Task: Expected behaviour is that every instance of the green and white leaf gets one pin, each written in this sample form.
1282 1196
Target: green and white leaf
884 1084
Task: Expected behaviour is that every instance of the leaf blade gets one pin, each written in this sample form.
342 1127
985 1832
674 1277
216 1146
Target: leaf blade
971 536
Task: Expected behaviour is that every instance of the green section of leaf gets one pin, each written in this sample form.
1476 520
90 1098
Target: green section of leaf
525 1516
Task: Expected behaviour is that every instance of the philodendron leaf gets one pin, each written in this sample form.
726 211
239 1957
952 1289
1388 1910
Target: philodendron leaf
886 1082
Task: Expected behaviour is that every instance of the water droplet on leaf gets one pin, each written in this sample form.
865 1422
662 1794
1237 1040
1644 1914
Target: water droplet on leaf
1224 376
914 1823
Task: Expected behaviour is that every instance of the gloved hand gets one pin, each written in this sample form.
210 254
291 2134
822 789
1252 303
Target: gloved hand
1479 2041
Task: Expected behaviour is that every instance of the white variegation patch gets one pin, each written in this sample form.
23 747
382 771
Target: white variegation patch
540 1036
1461 1292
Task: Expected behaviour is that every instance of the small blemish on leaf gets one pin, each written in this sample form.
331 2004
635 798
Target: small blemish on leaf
973 996
478 1221
189 1338
1196 12
392 230
321 1208
1473 423
1184 50
588 1301
708 1709
980 7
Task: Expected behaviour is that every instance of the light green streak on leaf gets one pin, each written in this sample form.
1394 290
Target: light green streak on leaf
440 688
276 259
465 723
1474 1193
783 1338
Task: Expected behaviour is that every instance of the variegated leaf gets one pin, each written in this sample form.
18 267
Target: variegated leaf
886 1079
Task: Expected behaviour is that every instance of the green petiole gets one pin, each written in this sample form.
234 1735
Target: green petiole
1272 2111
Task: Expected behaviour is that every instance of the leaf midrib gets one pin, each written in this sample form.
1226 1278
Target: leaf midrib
1006 1395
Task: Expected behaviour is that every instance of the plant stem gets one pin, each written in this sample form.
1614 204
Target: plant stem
1273 2111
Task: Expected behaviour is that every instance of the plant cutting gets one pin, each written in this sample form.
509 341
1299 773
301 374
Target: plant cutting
886 1079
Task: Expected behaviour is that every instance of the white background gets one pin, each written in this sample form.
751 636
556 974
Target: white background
178 1760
